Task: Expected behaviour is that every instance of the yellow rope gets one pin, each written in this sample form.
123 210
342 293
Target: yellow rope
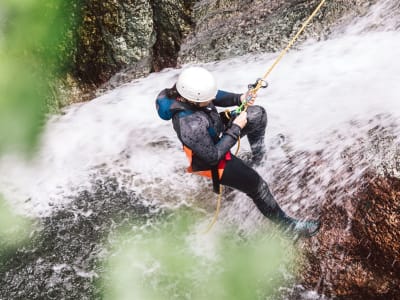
216 211
238 147
255 90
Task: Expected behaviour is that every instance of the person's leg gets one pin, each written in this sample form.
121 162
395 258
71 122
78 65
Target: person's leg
240 176
255 131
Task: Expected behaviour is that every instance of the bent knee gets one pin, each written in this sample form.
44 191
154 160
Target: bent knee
257 115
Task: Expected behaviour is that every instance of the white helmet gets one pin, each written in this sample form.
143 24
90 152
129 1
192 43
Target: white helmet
197 84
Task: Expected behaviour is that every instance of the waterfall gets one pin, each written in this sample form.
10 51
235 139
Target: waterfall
327 98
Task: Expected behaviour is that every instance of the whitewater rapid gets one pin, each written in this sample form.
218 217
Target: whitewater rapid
343 86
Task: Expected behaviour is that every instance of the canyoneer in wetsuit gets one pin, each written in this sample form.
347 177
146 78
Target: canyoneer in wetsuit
207 139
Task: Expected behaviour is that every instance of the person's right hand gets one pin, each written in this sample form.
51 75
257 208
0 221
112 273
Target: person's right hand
241 119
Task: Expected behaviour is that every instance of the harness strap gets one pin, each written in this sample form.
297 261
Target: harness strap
215 179
214 173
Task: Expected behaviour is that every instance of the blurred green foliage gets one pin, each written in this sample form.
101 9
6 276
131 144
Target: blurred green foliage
35 38
176 262
35 42
13 229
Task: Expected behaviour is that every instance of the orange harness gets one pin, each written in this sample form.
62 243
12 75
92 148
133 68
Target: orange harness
207 173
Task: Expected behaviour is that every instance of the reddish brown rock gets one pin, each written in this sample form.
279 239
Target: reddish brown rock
354 189
357 253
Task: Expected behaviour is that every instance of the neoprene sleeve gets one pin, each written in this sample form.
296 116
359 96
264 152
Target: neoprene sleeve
194 134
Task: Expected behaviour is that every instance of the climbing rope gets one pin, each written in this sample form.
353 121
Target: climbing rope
281 55
253 91
216 211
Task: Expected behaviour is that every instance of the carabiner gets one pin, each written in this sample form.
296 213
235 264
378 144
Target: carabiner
263 84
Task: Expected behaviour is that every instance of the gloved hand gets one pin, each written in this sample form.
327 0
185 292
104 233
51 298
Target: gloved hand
246 95
241 119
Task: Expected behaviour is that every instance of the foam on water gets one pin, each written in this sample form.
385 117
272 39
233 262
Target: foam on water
337 85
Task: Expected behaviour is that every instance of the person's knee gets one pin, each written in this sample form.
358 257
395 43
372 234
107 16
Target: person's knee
257 115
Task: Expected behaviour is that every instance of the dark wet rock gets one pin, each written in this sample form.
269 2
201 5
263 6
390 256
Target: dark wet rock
62 259
232 28
112 36
118 41
123 40
172 22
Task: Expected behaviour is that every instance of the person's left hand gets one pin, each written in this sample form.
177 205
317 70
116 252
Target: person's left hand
246 95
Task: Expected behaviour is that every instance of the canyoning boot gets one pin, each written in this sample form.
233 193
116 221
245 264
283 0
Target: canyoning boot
259 154
247 158
303 228
253 160
258 157
276 142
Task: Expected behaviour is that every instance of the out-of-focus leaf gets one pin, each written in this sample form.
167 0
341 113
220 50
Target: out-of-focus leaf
13 228
32 55
162 264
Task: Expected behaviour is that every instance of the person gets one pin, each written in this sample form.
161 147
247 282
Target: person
207 137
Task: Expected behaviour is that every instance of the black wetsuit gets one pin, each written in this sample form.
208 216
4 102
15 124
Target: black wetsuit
210 138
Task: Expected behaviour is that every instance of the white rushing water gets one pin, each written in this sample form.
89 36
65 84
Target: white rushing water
337 85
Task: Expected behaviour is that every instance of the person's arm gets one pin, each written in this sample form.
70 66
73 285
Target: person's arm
194 134
225 99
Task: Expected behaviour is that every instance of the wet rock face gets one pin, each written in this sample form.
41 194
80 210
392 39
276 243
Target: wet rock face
112 36
62 259
172 22
129 39
134 36
357 253
231 28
